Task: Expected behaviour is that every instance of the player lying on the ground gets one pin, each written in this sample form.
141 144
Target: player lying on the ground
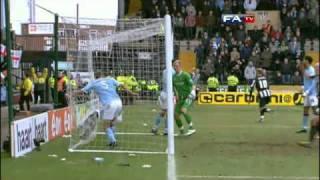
310 92
185 94
162 100
111 104
264 93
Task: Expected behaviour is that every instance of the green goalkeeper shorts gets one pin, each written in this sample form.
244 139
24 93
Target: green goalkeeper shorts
186 103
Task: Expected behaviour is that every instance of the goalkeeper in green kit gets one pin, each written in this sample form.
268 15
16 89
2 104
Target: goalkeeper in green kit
185 94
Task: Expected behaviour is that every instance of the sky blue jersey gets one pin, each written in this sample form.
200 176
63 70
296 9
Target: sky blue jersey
105 88
310 81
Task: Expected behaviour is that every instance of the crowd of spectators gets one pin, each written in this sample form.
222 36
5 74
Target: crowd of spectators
225 49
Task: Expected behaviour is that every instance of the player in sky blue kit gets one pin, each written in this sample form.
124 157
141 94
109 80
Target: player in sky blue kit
110 103
310 92
162 100
314 127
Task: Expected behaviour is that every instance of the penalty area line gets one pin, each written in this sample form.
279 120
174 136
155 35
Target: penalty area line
248 177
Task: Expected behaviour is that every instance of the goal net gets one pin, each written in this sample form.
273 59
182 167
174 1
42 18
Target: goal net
132 51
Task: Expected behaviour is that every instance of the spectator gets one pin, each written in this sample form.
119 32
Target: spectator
195 75
190 22
268 28
293 14
257 48
163 8
266 57
298 66
277 34
255 34
264 42
200 22
250 5
236 7
207 69
240 34
184 2
276 66
278 78
227 9
191 10
219 67
179 26
255 58
211 23
220 4
62 88
206 43
295 47
234 54
200 55
296 78
206 8
245 51
250 73
286 72
274 45
284 49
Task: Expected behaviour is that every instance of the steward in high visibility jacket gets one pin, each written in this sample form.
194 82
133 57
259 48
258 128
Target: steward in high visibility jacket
142 84
73 84
26 89
132 83
52 85
39 81
122 79
152 85
213 84
233 82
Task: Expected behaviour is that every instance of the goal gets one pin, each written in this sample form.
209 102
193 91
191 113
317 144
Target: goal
139 49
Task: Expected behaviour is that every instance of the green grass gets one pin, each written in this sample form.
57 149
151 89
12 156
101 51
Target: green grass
228 142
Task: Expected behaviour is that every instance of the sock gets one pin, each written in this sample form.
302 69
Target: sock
188 119
157 121
313 132
178 122
262 111
113 128
305 121
261 117
110 135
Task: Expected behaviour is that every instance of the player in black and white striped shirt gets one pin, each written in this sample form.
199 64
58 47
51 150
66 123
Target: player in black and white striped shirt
264 93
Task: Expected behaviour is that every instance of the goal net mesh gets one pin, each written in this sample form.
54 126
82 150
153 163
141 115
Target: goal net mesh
130 50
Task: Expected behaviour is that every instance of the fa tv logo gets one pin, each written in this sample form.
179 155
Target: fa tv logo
234 19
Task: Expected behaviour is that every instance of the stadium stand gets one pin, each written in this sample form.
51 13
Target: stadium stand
296 36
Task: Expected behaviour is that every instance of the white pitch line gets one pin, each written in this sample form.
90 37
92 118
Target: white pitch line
127 133
249 177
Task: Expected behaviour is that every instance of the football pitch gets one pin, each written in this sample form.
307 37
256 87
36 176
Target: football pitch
229 144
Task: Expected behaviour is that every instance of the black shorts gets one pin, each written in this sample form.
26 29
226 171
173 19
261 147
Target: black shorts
264 101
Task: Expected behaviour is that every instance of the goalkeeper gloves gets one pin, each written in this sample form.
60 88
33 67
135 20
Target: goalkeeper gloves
192 95
304 94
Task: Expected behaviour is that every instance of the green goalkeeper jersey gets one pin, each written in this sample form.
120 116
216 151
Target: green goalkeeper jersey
182 84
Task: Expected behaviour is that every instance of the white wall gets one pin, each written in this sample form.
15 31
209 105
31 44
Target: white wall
104 9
